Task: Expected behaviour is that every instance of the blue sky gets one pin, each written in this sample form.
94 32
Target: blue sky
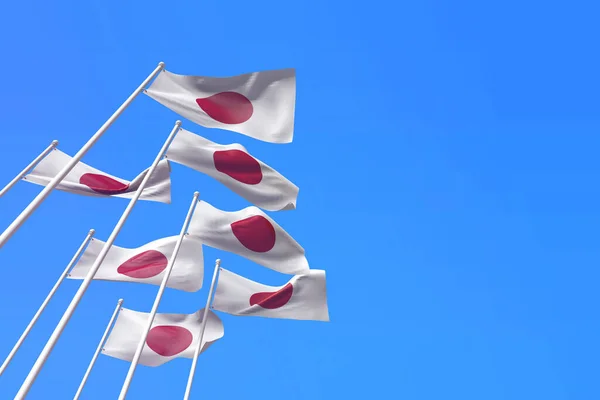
446 154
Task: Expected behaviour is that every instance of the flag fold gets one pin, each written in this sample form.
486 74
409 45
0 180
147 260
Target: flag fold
235 168
171 336
146 264
259 104
304 297
249 233
88 181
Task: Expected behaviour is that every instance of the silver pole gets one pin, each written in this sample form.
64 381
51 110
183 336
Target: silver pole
45 303
37 367
29 167
26 213
161 289
188 388
98 349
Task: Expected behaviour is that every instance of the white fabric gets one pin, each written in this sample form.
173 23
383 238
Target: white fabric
214 228
273 192
308 299
129 327
157 189
187 273
272 94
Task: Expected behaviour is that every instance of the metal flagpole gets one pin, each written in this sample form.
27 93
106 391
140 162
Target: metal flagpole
27 168
161 289
45 303
26 213
98 349
188 388
26 386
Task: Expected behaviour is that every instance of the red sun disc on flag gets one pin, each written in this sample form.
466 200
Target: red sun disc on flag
144 265
255 233
169 340
103 184
273 300
227 107
238 165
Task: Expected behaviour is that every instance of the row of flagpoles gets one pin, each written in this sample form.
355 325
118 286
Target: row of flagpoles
260 105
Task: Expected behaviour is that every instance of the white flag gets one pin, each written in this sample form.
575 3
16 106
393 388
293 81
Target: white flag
259 104
304 297
249 233
88 181
171 336
146 264
235 168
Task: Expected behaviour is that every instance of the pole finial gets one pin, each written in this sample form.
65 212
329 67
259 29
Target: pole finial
120 301
92 231
54 143
161 64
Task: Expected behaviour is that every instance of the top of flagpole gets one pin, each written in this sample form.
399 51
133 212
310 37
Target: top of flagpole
32 164
26 213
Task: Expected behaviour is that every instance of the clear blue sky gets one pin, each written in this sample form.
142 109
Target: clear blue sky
447 159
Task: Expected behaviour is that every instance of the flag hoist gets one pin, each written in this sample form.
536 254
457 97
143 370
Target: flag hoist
26 213
35 370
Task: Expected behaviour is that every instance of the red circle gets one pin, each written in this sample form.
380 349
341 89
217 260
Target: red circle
227 107
255 233
144 265
103 184
169 340
273 300
238 165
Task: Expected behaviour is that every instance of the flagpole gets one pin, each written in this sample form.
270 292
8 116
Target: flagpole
161 289
28 167
26 213
98 349
35 370
188 388
45 303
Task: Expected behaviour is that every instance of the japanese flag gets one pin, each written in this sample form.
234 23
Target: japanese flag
88 181
259 104
146 264
171 336
234 167
249 233
304 297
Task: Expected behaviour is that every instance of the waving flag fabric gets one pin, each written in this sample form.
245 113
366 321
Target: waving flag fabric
171 336
234 167
259 104
249 233
146 264
89 181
